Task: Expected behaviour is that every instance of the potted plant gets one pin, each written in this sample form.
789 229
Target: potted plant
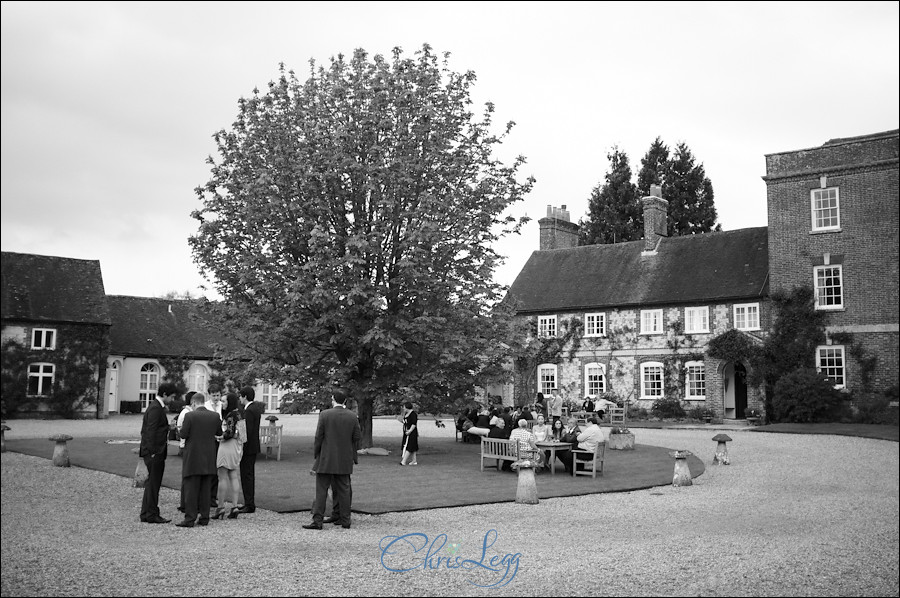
620 439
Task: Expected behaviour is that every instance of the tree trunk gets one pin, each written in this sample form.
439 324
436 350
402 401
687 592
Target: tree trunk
365 404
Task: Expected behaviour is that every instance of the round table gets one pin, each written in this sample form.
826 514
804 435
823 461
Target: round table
553 446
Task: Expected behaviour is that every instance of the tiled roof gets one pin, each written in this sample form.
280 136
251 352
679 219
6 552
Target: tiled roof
161 327
730 265
44 288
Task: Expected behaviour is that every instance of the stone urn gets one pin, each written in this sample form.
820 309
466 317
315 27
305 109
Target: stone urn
621 441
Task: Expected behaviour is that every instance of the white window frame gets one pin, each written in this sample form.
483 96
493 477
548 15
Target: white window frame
648 385
267 394
588 390
550 380
595 324
149 383
651 321
45 375
698 369
43 333
821 289
746 309
546 326
691 315
831 359
817 212
197 376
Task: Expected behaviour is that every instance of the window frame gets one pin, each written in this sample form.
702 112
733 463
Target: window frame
587 382
544 331
734 313
814 227
542 388
268 391
148 383
704 309
652 312
825 368
817 288
600 322
41 377
43 346
645 396
198 375
688 395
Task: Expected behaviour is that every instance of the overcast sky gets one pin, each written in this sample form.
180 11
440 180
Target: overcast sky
108 109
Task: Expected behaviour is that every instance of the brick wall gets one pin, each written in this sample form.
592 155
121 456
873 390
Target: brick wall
865 171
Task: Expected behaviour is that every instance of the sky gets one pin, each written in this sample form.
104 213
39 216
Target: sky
109 108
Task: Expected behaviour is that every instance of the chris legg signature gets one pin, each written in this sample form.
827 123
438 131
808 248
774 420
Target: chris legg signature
411 552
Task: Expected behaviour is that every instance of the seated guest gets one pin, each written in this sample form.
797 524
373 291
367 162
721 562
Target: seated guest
601 406
526 414
482 426
499 431
527 448
558 431
541 430
588 405
588 440
508 418
495 417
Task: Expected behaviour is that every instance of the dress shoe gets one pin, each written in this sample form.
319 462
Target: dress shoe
185 523
334 520
220 514
203 522
313 526
345 526
246 509
157 519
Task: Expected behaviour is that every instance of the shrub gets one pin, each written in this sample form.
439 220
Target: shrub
668 407
129 407
636 413
873 408
696 412
805 395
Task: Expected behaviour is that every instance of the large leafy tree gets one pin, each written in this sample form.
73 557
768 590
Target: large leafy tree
614 212
349 223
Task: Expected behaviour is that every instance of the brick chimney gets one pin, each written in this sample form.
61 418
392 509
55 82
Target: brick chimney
557 232
656 211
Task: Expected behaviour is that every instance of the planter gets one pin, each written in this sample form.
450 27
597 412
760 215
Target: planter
621 442
752 420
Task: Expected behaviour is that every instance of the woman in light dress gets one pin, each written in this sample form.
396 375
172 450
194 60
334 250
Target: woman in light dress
228 460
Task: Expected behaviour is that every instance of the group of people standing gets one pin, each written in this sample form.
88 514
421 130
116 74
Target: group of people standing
219 447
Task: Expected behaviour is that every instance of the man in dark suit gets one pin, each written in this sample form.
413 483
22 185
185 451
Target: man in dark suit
200 431
253 412
337 440
154 449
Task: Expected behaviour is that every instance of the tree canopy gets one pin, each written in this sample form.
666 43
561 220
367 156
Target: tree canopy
615 211
348 225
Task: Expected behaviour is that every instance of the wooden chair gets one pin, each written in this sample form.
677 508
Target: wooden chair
594 460
617 415
270 439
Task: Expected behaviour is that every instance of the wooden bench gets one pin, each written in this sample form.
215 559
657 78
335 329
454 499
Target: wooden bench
499 449
270 438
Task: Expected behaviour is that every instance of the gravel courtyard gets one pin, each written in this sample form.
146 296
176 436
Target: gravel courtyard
794 515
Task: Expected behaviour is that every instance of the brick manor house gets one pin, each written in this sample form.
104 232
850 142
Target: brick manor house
639 315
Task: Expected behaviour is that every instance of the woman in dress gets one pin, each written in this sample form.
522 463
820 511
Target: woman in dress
541 430
410 435
228 461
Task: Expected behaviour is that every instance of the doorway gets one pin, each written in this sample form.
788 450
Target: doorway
734 379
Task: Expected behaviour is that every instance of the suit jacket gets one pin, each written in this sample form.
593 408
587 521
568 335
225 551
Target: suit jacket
201 426
253 413
154 431
337 440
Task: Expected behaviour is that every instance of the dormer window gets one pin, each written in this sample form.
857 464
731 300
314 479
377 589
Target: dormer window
43 338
